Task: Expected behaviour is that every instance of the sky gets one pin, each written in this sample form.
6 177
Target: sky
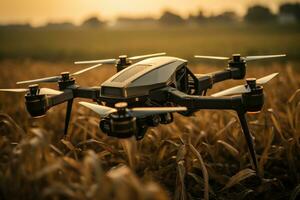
39 12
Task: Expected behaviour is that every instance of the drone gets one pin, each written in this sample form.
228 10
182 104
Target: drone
148 89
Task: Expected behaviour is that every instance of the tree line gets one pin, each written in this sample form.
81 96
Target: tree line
288 13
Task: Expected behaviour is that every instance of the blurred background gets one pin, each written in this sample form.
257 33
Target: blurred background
43 38
71 30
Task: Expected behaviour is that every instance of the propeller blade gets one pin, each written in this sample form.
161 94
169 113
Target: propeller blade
56 78
14 90
234 90
104 61
240 89
147 56
85 70
266 79
48 91
212 57
41 80
103 111
42 91
250 58
139 112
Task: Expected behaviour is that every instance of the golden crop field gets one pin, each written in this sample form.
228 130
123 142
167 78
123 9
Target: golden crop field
184 41
200 157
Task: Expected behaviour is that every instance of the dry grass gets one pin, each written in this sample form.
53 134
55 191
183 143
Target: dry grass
201 157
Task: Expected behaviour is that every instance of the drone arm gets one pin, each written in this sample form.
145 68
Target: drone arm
221 76
58 99
89 93
203 102
208 80
69 94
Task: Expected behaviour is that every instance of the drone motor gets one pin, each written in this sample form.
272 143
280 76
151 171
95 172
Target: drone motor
254 100
238 62
35 102
65 81
123 62
120 124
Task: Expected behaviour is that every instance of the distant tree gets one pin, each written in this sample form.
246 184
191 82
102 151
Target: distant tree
143 21
136 20
64 25
199 18
170 18
228 16
16 26
259 14
290 9
93 22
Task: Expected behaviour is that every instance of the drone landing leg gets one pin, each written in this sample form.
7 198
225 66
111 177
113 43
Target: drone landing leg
68 115
248 137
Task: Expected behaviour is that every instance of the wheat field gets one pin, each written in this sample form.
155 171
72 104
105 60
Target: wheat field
201 157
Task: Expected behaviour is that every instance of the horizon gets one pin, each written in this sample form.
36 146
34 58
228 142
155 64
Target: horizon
38 13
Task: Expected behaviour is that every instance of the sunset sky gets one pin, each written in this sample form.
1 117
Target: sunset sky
38 12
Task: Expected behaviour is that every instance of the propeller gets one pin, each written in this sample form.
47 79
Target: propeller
240 89
212 57
62 76
41 91
238 57
114 60
103 111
